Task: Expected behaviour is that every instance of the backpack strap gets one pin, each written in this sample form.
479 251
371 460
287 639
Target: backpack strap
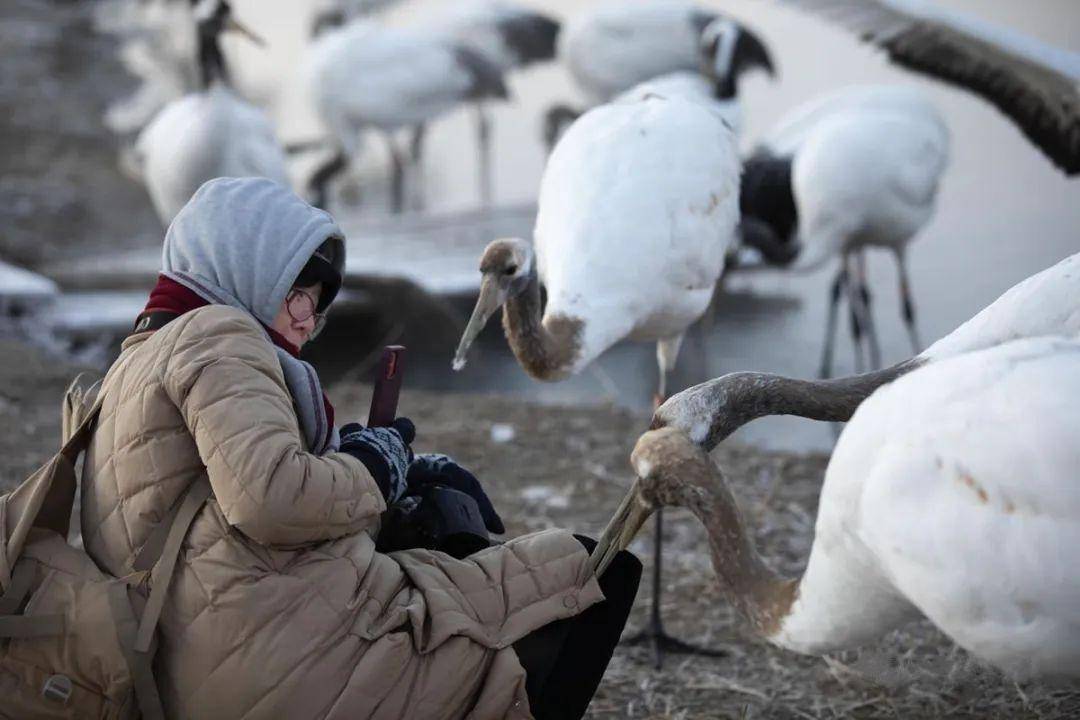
160 553
34 626
54 512
140 665
21 581
12 625
162 574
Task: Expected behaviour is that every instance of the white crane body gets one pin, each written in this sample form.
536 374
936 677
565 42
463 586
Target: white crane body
617 45
364 74
951 494
638 206
866 166
1047 303
202 136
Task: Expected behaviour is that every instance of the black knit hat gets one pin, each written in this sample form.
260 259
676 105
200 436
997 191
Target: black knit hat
325 266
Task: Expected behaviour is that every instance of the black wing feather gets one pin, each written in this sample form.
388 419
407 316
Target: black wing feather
1043 102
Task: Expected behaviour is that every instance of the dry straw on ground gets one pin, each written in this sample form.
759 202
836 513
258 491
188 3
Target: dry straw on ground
568 467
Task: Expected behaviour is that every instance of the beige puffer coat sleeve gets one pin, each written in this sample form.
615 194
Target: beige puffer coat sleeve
225 377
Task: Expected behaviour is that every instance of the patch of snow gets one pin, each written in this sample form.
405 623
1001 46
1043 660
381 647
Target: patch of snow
94 312
546 495
502 432
536 493
558 502
16 283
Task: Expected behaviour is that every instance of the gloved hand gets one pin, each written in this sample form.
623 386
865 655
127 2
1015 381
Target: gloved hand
384 451
441 469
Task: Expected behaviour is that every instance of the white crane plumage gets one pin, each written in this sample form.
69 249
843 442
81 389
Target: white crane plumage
951 495
614 45
617 45
511 37
1047 303
159 46
335 13
1037 85
207 134
637 209
637 206
692 86
857 168
364 75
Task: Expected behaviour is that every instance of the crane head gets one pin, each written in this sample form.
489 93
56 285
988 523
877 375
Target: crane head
728 50
507 266
670 470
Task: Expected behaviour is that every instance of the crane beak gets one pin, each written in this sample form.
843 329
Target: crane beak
233 25
620 531
491 299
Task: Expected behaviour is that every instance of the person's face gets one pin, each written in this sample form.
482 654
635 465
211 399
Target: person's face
297 320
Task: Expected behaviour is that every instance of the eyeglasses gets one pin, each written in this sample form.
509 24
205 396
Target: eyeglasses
301 305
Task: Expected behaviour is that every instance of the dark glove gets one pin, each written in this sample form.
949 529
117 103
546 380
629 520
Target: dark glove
440 469
384 451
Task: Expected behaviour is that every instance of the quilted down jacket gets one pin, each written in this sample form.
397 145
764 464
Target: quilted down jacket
280 607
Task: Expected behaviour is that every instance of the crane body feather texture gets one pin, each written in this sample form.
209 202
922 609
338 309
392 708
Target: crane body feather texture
692 86
210 133
865 181
1047 303
792 130
364 74
638 206
201 136
866 165
950 495
509 35
617 45
951 491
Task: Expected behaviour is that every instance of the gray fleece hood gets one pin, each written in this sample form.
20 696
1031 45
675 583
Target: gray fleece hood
242 242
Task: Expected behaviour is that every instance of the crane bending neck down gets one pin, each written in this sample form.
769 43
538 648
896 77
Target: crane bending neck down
932 475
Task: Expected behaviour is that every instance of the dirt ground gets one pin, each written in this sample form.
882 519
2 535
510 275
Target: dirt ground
61 189
568 466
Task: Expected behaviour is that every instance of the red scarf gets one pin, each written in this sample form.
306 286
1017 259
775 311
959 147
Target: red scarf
170 296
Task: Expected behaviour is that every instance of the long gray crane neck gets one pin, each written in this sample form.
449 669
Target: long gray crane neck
735 399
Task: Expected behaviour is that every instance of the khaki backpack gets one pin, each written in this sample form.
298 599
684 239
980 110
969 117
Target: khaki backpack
76 642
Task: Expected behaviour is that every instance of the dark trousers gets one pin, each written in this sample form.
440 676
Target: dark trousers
565 660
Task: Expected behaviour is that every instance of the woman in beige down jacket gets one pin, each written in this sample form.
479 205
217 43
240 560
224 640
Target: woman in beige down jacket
280 606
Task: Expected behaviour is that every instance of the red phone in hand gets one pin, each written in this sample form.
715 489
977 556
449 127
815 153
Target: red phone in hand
384 399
